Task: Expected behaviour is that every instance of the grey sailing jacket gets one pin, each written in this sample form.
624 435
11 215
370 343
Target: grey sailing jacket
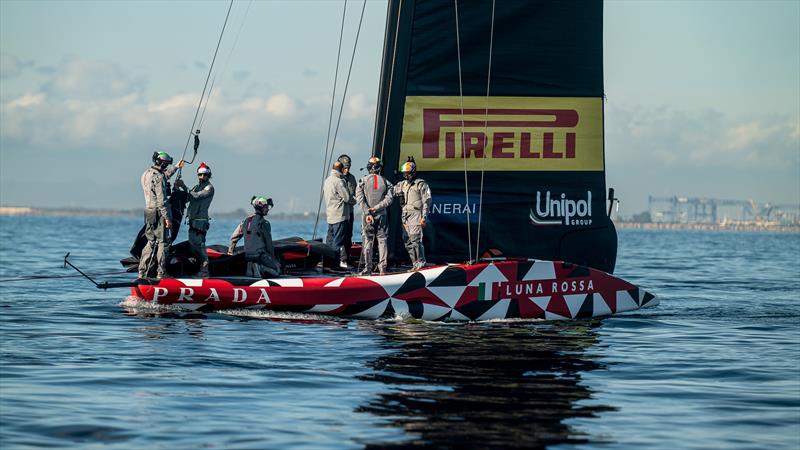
200 198
338 199
375 192
154 185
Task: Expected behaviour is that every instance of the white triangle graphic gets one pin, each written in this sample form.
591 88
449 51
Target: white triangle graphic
574 303
433 312
498 311
374 312
390 283
550 316
625 302
432 273
448 294
455 315
335 283
541 302
490 274
541 270
323 308
600 307
400 307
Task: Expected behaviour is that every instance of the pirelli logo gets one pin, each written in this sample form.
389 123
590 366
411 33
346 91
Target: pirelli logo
512 134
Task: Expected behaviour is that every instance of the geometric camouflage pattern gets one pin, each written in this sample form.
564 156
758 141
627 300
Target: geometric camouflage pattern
497 289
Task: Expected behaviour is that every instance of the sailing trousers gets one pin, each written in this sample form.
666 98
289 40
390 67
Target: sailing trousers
197 240
412 238
336 239
157 244
348 233
262 265
378 230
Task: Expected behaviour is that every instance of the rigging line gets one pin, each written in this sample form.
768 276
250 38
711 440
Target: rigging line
191 130
211 91
330 121
48 277
485 133
347 82
463 147
391 79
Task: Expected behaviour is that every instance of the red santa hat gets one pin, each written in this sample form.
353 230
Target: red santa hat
204 169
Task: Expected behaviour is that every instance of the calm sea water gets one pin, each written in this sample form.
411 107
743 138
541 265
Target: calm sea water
716 365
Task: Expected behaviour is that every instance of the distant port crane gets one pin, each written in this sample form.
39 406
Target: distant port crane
712 210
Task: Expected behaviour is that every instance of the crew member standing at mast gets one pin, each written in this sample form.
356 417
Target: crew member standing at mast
338 205
351 183
157 216
200 198
374 195
415 196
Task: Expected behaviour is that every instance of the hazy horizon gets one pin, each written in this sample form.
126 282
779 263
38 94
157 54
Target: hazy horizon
703 98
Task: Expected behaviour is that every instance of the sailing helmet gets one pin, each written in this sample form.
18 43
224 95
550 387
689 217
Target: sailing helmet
408 169
374 165
261 204
345 160
203 169
161 159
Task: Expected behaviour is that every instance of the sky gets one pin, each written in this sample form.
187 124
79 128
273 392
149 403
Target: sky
703 98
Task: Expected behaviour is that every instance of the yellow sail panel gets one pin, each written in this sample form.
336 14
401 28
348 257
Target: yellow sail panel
511 134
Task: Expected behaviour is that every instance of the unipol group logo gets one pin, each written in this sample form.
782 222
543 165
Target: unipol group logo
504 133
561 210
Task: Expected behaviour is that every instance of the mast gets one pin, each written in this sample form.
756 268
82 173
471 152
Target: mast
537 141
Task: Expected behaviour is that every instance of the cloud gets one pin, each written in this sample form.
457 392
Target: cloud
75 78
11 66
667 137
27 101
281 105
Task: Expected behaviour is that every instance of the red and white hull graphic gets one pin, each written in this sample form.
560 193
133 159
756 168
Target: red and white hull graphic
505 289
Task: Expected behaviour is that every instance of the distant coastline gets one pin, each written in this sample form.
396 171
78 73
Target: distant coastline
730 226
239 213
88 212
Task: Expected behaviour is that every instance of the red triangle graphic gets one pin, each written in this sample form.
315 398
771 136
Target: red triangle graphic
558 306
529 310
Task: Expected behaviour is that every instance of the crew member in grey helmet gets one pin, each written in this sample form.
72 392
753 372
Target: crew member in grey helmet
200 197
339 203
157 215
258 249
374 196
415 196
350 181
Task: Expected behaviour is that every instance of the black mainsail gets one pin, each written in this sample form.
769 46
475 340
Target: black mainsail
517 171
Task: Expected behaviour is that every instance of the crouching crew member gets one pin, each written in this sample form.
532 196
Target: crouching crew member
200 198
258 249
374 195
338 206
415 197
157 215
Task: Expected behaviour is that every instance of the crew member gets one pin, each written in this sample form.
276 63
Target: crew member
258 249
351 183
200 197
415 196
157 216
339 203
374 195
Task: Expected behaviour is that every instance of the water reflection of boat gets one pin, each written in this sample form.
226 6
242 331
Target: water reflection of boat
484 386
